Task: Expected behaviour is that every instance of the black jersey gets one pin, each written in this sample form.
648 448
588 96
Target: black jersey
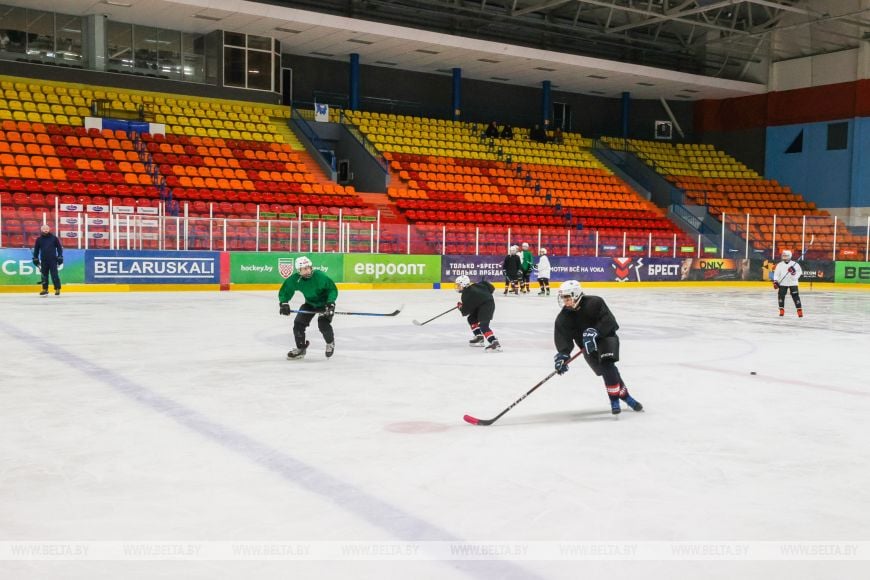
570 323
474 296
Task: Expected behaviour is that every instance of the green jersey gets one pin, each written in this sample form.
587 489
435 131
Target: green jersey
528 260
318 290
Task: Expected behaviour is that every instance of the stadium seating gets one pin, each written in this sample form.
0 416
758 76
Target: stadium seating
778 217
450 174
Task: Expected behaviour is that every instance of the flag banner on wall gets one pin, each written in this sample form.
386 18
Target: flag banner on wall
321 113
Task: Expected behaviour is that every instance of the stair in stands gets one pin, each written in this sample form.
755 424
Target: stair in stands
389 213
279 126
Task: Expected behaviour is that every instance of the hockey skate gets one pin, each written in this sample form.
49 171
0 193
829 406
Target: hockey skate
298 353
614 406
476 341
800 312
330 349
635 405
57 291
44 292
782 311
494 346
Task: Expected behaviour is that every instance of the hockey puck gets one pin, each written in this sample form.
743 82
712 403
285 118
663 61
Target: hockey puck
752 372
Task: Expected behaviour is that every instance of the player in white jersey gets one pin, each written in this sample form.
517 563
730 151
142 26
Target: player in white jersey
785 280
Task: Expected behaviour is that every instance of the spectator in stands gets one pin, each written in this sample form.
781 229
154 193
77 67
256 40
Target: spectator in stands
491 130
47 256
4 39
507 132
558 137
538 134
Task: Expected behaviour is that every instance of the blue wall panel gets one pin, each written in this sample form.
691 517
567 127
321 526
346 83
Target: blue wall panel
861 163
822 176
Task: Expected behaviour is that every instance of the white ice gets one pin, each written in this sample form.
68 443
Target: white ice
175 417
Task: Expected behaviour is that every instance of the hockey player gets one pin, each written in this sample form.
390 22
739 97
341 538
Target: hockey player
528 262
513 271
544 272
588 321
785 279
320 294
47 256
478 306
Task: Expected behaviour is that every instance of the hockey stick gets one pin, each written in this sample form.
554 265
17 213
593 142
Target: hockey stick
393 313
418 323
476 421
802 255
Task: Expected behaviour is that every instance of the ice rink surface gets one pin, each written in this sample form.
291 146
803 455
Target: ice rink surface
174 418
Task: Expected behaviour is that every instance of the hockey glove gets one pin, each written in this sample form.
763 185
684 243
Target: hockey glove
459 306
36 262
590 340
791 270
776 285
561 363
328 312
60 260
284 309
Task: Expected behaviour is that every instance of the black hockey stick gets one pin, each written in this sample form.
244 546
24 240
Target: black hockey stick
393 313
476 421
418 323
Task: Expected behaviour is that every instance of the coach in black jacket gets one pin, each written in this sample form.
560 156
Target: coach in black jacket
48 255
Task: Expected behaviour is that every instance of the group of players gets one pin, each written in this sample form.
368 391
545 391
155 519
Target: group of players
517 269
584 320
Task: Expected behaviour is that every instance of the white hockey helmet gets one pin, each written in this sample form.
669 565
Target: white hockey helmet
525 245
303 262
543 251
570 289
462 282
514 249
786 255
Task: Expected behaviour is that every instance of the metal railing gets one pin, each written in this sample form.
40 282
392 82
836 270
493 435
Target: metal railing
119 227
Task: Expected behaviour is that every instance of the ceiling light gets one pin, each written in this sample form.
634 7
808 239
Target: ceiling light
599 77
545 69
317 53
386 62
287 30
488 60
207 17
427 51
646 84
119 3
358 41
499 79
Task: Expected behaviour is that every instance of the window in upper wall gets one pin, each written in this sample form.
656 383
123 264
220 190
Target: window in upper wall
68 35
838 136
40 33
251 61
234 67
797 146
119 46
193 57
13 30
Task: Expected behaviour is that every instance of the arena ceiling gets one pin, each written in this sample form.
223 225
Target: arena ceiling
671 49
